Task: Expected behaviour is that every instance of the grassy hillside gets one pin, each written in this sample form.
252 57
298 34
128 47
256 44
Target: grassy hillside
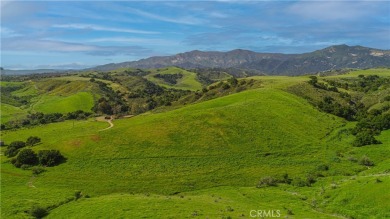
219 202
234 140
187 82
204 160
9 112
50 103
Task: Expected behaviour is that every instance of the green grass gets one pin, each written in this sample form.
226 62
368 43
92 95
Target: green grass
212 153
187 82
217 202
9 112
234 140
384 72
113 85
50 103
279 82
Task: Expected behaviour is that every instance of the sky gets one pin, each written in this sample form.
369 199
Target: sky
81 34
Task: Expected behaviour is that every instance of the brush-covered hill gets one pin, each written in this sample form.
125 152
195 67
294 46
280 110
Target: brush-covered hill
129 91
334 57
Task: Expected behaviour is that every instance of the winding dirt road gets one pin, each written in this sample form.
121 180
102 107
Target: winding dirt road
106 120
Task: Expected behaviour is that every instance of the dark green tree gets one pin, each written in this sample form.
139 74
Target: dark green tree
13 148
26 156
32 140
50 157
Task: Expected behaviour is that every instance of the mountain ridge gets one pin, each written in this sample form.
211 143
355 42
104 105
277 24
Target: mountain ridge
329 58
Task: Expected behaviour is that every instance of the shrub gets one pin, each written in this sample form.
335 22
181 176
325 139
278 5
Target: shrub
37 170
364 138
366 161
26 156
25 166
323 167
11 151
38 212
17 144
32 140
310 179
225 86
228 208
286 179
50 157
298 182
78 195
13 148
267 181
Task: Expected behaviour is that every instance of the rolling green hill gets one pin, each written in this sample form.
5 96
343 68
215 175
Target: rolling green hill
51 103
205 160
187 82
9 112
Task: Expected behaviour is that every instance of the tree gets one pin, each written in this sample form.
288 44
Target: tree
364 138
13 148
313 80
233 81
26 156
50 157
33 140
38 212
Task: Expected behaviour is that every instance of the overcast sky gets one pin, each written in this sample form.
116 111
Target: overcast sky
79 34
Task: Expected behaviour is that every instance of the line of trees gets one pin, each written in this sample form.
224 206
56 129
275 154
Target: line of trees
42 118
22 156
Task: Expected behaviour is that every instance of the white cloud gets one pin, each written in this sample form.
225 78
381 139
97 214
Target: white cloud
38 45
6 32
102 28
178 20
144 41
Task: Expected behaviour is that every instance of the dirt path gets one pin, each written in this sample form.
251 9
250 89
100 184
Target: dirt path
107 120
30 183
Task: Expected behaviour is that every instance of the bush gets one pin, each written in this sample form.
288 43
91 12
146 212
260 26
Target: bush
78 195
267 181
298 182
26 156
13 148
38 212
50 157
323 167
17 144
366 161
25 166
32 140
11 151
37 170
364 138
286 179
225 86
310 179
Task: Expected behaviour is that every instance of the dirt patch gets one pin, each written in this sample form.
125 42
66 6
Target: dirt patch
95 138
75 143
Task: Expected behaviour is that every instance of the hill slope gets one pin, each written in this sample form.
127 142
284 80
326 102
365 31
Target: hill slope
205 158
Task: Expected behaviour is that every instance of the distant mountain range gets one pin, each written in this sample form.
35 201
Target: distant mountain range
254 63
33 71
334 57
